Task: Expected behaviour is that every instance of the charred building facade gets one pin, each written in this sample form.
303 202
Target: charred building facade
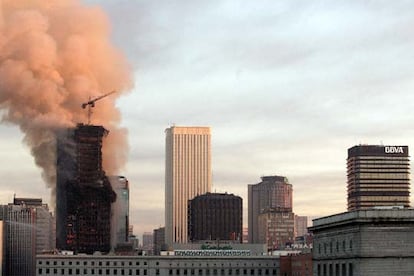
83 193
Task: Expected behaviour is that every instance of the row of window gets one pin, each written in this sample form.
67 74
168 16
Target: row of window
92 271
336 269
200 271
328 248
97 263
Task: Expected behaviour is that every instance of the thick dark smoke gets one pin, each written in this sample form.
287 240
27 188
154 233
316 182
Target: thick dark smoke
54 55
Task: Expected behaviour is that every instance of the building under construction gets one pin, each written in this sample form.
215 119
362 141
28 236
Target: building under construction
83 193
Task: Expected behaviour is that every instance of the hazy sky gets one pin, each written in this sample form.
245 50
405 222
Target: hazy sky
286 87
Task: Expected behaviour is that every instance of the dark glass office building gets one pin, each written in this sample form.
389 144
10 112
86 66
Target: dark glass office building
215 216
378 176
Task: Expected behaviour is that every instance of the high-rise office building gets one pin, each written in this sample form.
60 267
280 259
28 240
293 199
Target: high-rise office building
120 211
272 193
215 216
187 174
83 193
378 176
27 230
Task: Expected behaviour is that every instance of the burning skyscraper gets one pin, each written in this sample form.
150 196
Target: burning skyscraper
83 193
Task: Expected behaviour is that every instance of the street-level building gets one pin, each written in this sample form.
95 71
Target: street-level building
231 264
367 242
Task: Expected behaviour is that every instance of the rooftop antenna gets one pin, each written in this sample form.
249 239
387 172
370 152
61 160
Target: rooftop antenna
91 103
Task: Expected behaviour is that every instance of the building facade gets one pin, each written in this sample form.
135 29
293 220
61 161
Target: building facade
365 242
276 228
301 225
187 174
378 176
27 229
148 242
273 192
229 264
83 192
215 216
159 241
119 211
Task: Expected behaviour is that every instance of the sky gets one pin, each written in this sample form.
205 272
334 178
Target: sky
286 87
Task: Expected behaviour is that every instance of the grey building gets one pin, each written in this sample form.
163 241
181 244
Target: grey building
273 192
233 263
119 211
364 243
27 229
159 241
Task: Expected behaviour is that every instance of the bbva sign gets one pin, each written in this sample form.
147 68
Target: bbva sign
394 149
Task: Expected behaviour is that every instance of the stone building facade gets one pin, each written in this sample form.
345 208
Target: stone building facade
58 265
364 243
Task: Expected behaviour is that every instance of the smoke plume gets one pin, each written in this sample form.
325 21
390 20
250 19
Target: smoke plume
54 55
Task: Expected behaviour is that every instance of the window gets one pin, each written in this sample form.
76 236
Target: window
40 271
351 269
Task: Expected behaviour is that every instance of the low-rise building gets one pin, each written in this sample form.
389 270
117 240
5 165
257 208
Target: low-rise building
48 265
364 242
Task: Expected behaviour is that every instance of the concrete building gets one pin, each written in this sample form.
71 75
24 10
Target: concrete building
27 229
301 225
228 264
273 192
276 228
159 241
299 264
148 242
187 174
378 176
83 192
366 242
119 211
215 216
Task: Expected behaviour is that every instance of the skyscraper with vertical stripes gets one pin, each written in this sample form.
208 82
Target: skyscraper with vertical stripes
187 174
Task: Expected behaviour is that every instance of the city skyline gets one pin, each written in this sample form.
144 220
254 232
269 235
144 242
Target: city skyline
286 88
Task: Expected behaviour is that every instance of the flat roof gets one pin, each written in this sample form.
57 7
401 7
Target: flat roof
377 214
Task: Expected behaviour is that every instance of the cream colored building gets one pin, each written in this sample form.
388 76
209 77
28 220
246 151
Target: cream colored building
187 174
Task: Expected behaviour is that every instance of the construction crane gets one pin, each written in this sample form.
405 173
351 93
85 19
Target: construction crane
91 103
